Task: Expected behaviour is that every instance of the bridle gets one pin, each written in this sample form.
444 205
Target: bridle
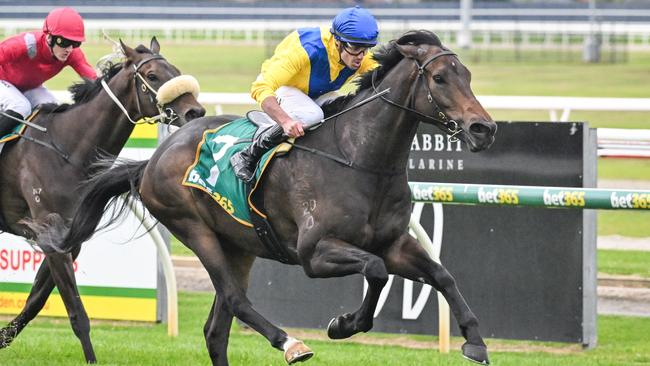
438 117
166 115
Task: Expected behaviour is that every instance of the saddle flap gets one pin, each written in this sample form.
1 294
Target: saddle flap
260 119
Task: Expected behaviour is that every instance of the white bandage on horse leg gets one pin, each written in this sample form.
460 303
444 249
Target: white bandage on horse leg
176 87
288 343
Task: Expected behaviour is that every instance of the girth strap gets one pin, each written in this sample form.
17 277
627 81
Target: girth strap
264 229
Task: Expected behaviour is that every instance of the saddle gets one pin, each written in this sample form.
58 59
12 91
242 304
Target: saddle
212 173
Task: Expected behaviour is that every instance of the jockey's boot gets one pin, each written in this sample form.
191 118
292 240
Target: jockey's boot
245 161
7 124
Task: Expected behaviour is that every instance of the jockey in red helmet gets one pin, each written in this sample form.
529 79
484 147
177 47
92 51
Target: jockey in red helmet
29 59
306 70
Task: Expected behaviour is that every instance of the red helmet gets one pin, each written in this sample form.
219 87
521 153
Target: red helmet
66 23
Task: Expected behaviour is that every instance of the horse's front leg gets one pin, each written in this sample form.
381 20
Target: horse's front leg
63 273
408 259
217 327
336 258
40 292
217 331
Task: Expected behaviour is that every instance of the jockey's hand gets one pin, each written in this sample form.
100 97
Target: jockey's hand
293 128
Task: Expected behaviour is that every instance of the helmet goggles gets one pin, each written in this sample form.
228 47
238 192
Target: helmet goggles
64 42
356 49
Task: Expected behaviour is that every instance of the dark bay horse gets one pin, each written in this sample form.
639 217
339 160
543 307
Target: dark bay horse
38 179
334 219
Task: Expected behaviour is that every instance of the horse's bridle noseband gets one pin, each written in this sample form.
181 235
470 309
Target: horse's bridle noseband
438 117
166 115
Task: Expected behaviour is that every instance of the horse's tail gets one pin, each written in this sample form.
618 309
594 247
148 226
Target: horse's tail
100 193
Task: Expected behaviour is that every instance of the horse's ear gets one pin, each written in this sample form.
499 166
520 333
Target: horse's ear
409 50
155 46
128 51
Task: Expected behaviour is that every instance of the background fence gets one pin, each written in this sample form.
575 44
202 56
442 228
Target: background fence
611 142
498 29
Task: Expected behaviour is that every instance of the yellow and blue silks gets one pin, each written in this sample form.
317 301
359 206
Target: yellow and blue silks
309 60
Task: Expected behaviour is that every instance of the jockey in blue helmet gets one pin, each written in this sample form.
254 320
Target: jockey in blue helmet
306 70
355 26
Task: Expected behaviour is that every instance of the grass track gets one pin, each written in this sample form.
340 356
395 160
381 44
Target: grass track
622 341
624 262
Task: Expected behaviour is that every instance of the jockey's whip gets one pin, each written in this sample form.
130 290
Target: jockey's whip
32 125
369 99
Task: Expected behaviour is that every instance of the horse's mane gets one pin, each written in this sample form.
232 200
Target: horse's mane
83 91
387 57
86 90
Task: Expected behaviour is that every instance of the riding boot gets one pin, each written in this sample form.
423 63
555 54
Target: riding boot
7 124
245 161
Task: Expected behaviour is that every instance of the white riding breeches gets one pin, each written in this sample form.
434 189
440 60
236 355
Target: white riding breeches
13 99
300 106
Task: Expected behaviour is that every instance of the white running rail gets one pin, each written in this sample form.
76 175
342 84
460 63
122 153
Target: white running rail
611 142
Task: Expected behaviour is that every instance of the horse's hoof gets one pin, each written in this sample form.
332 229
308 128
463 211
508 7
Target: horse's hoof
297 352
7 335
336 330
475 353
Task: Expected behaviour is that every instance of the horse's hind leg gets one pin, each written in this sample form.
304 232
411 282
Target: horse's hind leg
217 327
408 259
40 292
336 258
63 274
209 251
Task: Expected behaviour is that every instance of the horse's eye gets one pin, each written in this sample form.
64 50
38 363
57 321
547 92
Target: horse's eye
152 77
438 79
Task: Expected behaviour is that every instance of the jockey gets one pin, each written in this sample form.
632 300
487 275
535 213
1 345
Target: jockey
305 71
29 59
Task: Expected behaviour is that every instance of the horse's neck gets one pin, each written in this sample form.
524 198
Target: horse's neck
100 125
379 135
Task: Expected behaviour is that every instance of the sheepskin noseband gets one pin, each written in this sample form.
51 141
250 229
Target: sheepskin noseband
176 87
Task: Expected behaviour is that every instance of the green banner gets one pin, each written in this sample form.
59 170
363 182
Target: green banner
503 195
144 293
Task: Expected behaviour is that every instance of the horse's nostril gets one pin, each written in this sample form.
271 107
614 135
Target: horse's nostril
479 129
194 113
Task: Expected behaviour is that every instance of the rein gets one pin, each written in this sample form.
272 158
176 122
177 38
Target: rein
438 118
345 161
167 115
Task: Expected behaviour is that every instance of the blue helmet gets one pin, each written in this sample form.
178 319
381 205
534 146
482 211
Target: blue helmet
355 25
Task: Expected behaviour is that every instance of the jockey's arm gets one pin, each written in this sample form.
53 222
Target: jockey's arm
288 61
11 50
291 127
81 66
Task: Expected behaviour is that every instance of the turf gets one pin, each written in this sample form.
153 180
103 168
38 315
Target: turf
624 262
621 341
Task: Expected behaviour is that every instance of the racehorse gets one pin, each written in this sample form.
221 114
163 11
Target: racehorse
339 205
39 171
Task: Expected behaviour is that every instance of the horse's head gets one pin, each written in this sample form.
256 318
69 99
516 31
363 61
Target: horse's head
441 93
159 87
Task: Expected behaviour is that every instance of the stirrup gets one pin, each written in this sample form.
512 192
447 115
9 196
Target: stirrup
242 167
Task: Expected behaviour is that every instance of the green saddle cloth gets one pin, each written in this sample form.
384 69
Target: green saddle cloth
14 134
18 130
212 173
